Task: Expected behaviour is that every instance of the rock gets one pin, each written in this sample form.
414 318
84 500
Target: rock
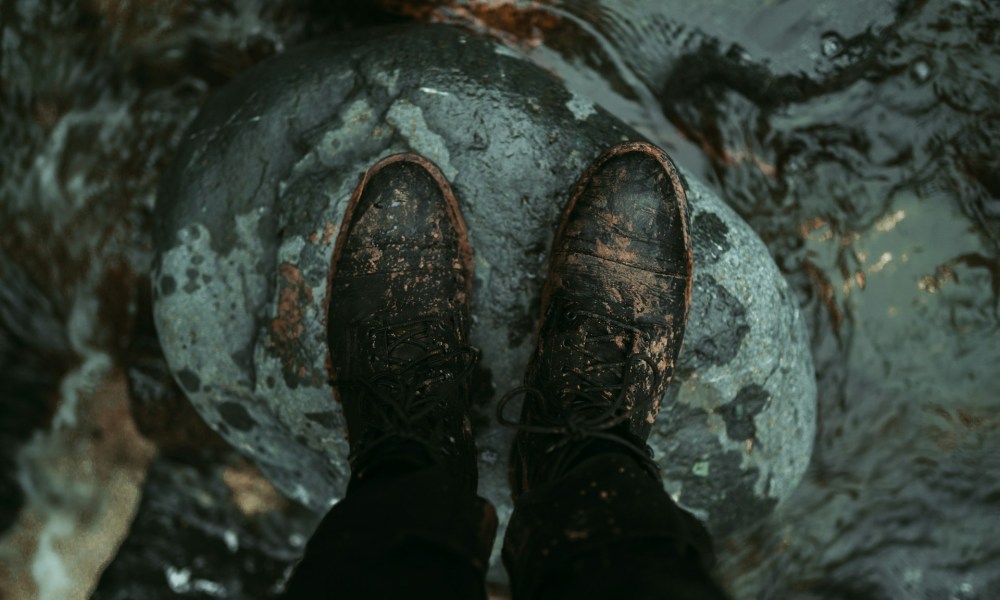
218 531
35 353
247 216
161 410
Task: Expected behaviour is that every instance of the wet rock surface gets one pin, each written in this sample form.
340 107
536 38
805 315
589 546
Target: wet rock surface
247 216
29 388
212 530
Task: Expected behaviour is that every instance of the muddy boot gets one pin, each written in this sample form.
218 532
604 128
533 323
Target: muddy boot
399 317
613 314
591 513
398 329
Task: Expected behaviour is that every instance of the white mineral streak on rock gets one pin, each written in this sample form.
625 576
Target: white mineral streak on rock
48 568
433 91
580 107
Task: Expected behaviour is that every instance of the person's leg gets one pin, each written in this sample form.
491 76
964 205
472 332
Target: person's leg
591 517
409 533
606 529
398 324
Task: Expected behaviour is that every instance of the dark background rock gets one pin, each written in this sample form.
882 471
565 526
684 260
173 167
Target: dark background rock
214 530
34 354
247 215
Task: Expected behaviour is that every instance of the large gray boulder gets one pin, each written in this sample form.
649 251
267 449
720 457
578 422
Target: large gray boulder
248 213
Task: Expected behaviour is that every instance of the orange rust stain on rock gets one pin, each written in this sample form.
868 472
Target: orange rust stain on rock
287 327
810 225
325 236
329 232
520 24
251 492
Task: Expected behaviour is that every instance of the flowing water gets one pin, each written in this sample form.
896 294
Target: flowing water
857 139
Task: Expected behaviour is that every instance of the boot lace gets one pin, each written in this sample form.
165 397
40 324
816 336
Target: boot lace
416 366
594 398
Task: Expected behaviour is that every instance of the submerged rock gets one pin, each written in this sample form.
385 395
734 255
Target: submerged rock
248 214
209 531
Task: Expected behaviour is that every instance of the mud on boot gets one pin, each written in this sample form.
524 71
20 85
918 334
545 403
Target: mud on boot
398 321
614 308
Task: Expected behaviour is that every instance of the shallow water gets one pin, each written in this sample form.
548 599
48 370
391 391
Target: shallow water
857 138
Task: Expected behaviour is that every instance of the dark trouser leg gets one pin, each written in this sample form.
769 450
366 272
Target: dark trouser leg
606 529
413 534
